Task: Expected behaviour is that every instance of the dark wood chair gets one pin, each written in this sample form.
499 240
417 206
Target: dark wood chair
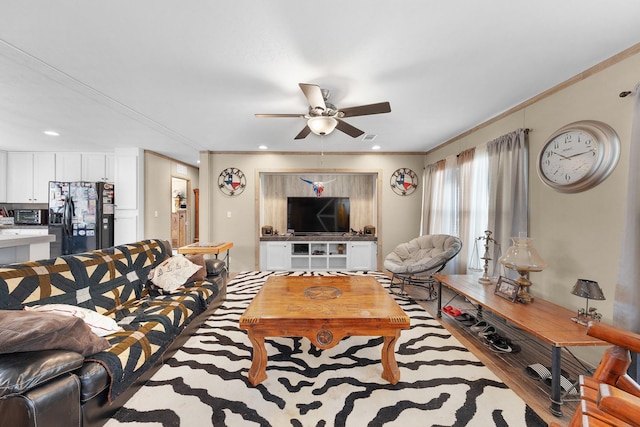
610 397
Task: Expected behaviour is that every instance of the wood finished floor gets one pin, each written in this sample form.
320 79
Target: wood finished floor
510 367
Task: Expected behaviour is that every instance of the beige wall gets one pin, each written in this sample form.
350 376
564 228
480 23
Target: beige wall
400 216
579 235
158 171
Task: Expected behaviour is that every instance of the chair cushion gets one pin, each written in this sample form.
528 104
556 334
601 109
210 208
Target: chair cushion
422 254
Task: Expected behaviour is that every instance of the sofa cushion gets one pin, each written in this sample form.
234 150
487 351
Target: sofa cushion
23 371
94 378
173 272
200 274
32 331
100 325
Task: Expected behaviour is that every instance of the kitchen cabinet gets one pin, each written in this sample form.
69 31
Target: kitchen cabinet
127 182
24 231
28 176
97 167
125 227
68 167
3 176
129 194
179 228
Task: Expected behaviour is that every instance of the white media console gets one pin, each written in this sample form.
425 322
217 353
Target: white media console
295 254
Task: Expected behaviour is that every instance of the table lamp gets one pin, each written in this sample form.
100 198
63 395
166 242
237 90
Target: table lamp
523 258
590 290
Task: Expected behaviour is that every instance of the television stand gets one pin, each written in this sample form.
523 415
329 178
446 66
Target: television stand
318 253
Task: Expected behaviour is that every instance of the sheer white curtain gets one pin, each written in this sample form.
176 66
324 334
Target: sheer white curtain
626 307
474 198
443 192
441 189
508 186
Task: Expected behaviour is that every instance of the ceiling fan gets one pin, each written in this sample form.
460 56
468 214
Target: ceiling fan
323 117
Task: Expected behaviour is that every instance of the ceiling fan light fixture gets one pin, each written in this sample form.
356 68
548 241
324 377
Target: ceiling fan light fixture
322 125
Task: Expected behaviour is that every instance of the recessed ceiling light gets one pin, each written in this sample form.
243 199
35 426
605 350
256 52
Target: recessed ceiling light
51 133
375 147
262 147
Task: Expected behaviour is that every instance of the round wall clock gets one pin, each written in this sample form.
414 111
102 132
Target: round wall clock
232 181
404 181
578 156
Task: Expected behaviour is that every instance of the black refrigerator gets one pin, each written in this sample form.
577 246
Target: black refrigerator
80 216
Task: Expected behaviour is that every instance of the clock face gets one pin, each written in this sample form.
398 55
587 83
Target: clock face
578 156
569 157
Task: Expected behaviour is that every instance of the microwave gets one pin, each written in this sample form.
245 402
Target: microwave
30 216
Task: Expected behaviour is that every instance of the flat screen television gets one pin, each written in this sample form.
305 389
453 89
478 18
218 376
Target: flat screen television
318 214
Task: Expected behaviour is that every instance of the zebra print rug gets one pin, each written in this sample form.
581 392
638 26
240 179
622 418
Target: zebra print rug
205 383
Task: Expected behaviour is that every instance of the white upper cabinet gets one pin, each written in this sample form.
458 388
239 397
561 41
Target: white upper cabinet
28 176
3 176
97 167
68 167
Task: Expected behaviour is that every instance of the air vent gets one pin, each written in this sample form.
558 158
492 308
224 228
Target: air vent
369 137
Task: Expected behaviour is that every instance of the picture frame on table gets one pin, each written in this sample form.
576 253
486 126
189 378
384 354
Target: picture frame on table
507 288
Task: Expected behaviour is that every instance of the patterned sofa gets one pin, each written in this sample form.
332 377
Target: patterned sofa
60 387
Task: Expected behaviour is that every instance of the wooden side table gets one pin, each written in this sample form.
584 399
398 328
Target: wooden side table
208 248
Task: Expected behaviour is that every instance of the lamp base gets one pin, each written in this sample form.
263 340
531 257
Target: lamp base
485 280
581 320
584 316
523 293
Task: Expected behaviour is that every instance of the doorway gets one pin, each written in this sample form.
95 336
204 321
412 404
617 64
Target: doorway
179 212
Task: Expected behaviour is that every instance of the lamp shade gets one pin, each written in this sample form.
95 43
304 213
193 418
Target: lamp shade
322 125
522 256
587 289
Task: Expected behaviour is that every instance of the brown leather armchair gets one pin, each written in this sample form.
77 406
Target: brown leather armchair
610 397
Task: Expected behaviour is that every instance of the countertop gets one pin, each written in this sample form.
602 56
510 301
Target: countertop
13 241
28 226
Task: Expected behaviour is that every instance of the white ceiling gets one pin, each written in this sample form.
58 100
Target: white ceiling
179 77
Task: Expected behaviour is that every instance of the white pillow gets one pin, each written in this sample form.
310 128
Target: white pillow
100 324
173 272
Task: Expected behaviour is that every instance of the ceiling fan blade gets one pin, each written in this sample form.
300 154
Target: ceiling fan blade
314 95
365 110
262 116
303 133
345 127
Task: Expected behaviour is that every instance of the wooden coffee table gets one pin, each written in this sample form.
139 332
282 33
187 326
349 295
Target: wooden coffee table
324 309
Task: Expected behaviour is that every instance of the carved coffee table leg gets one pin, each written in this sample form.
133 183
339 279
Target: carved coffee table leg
390 370
258 370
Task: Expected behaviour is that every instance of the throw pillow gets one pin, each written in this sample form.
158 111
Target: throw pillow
100 324
22 330
173 272
201 274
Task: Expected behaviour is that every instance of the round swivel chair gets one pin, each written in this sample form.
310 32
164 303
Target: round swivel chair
413 263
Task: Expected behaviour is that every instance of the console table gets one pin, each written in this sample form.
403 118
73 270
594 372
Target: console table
545 320
208 248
